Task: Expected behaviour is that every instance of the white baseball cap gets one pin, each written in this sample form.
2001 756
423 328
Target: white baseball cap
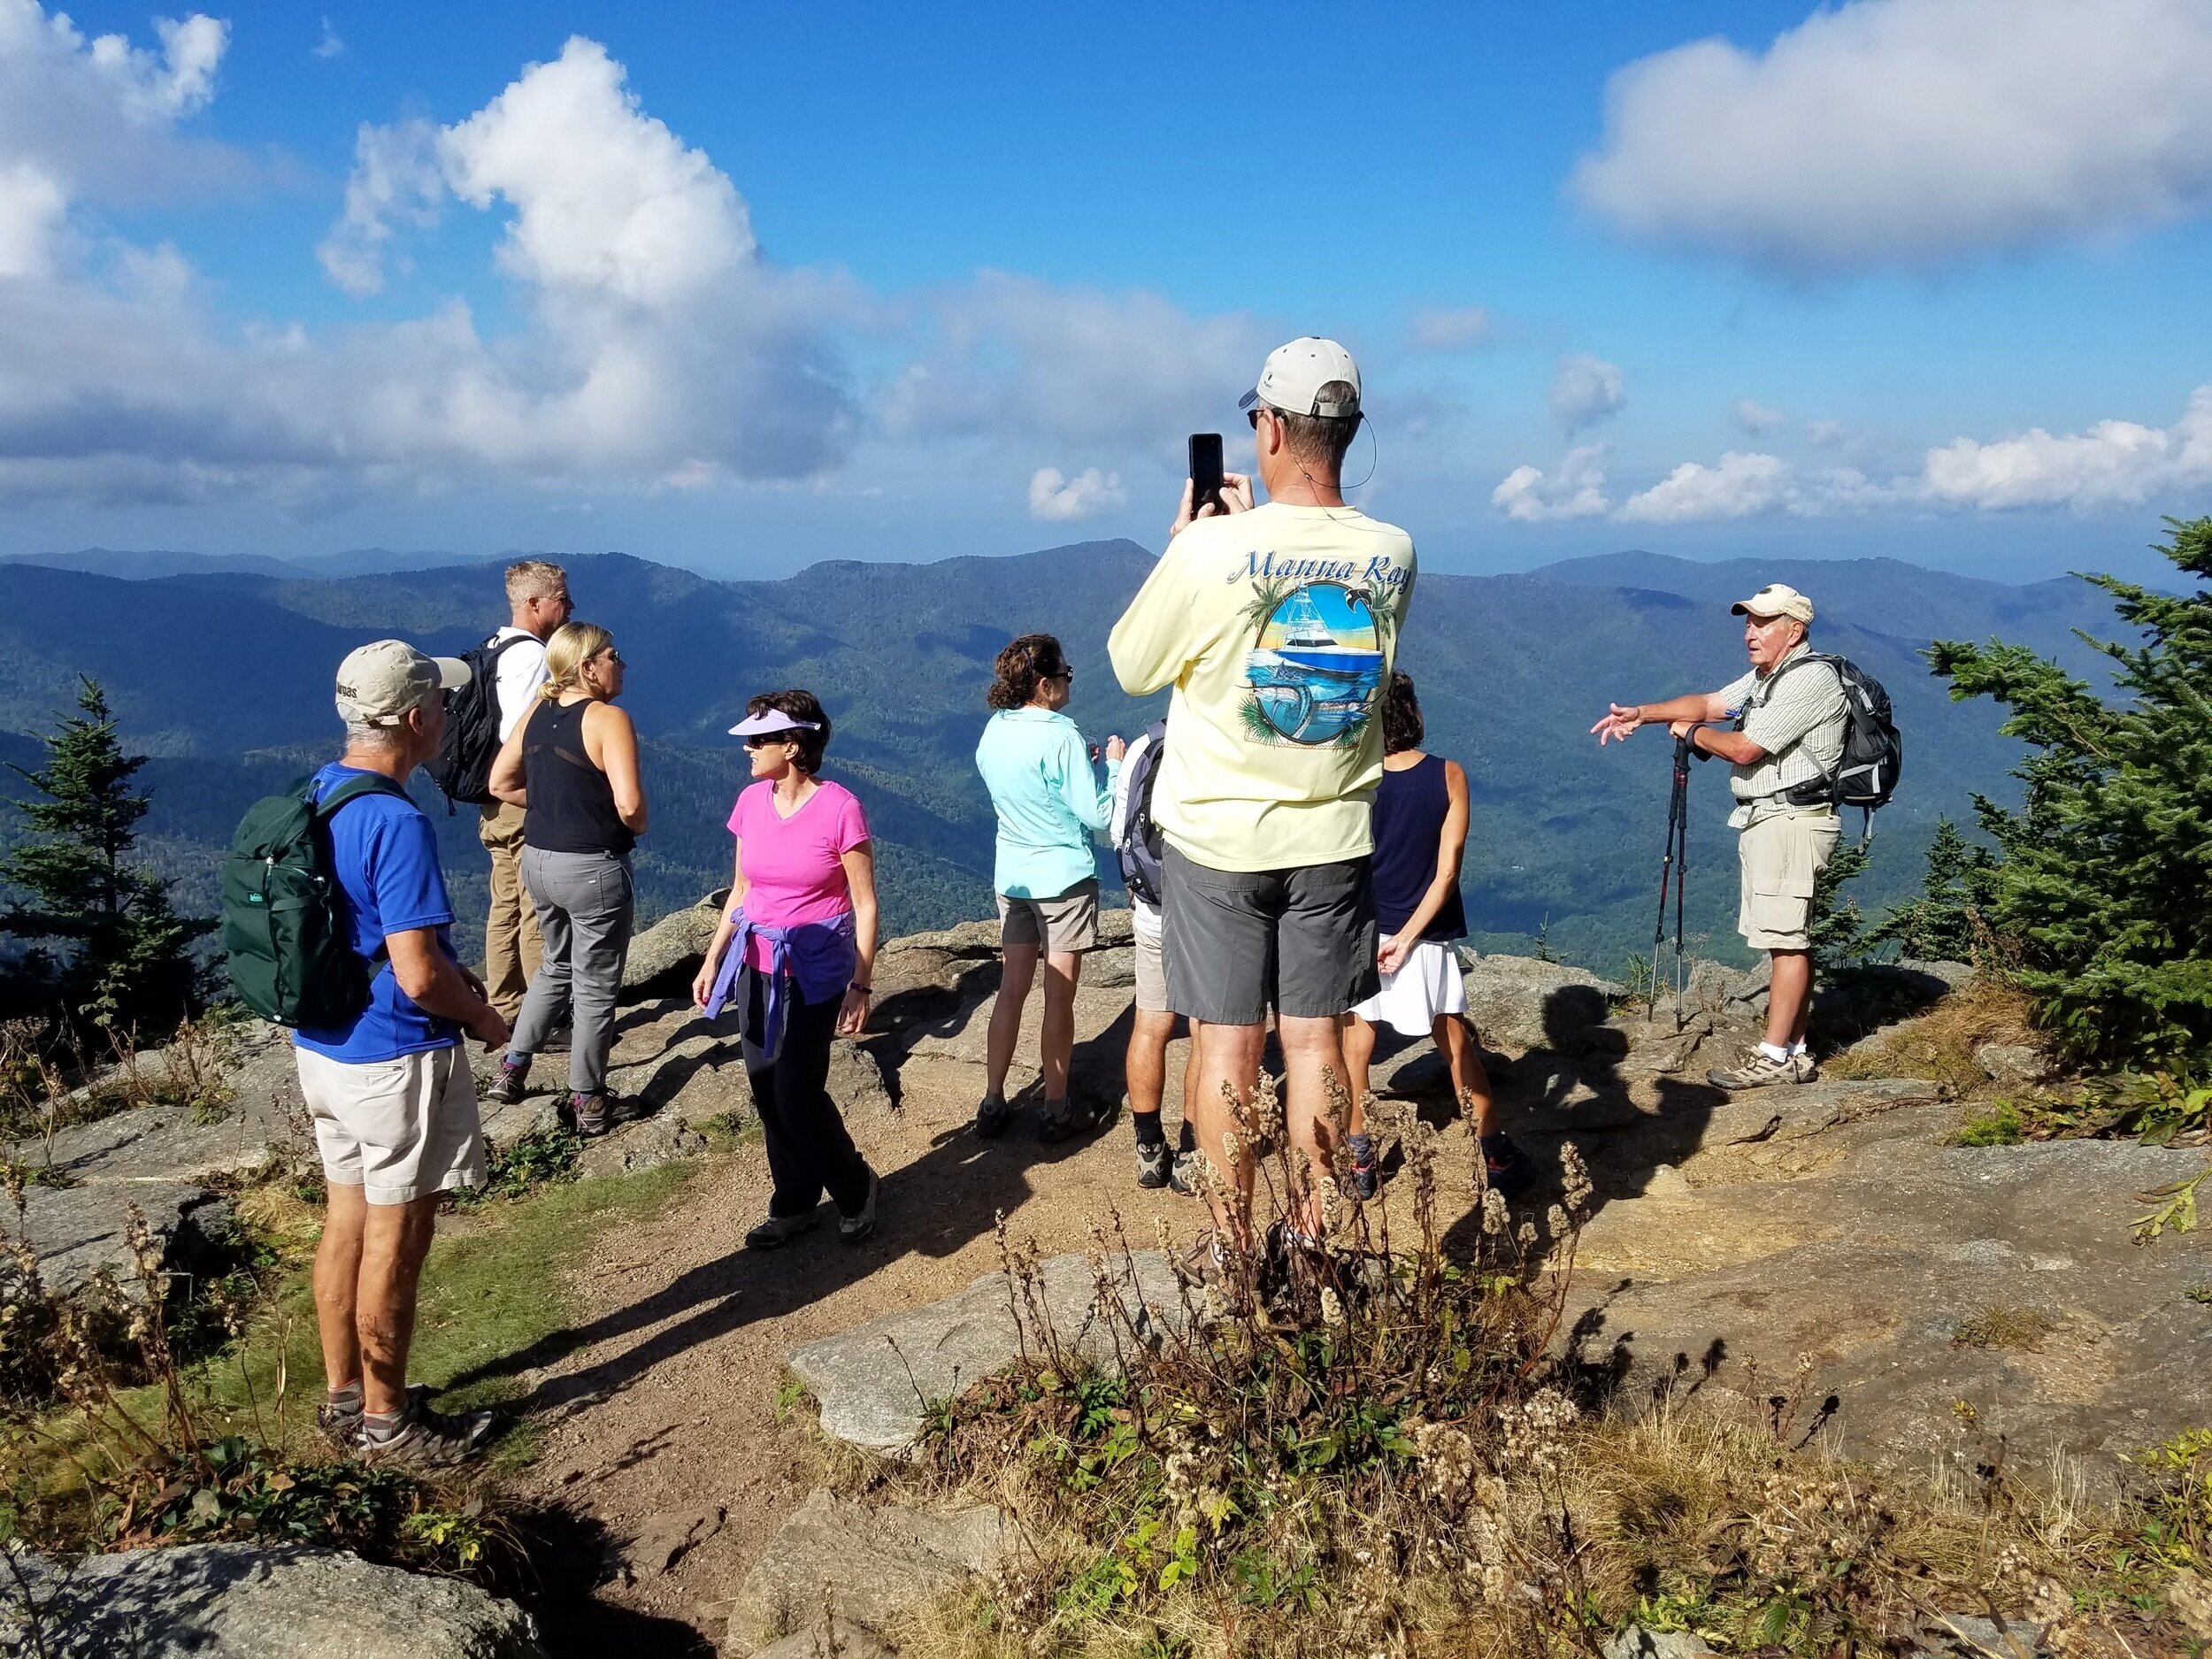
1292 378
379 683
1776 599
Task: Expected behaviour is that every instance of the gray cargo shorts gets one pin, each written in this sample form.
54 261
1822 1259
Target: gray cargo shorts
1238 942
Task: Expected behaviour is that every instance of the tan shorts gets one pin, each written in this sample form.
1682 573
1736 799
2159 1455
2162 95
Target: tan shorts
1065 926
397 1129
1151 960
1782 855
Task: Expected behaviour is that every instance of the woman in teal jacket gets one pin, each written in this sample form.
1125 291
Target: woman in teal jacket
1050 803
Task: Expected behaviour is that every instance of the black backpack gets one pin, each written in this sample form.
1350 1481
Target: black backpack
1873 752
462 768
1140 847
285 930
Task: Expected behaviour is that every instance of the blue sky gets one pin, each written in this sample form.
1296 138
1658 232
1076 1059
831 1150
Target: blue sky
743 288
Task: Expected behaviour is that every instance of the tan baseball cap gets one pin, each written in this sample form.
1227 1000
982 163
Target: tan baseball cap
1293 374
1776 599
379 683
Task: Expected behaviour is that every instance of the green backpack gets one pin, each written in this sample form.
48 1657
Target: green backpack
286 929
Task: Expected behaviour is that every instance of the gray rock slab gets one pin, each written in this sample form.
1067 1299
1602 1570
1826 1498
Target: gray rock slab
1097 1066
664 958
1517 1002
864 1565
870 1383
80 1233
2013 1065
856 1080
246 1601
1636 1642
644 1145
1877 1264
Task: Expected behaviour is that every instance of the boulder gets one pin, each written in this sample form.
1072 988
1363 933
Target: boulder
864 1566
1636 1642
646 1144
870 1383
2013 1065
1519 1003
857 1082
666 958
248 1602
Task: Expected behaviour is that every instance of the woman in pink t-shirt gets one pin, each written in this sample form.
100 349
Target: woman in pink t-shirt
794 954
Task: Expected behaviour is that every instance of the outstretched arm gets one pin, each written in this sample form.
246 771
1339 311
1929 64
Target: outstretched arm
1622 718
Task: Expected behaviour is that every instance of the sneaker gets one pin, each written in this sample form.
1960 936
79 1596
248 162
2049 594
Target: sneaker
339 1421
593 1118
1803 1066
1155 1165
429 1439
1505 1165
1209 1264
1183 1174
1063 1119
781 1229
1366 1178
990 1119
853 1229
1760 1070
511 1084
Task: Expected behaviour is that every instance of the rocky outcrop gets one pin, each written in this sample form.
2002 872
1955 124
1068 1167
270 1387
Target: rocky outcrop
871 1384
860 1567
246 1601
1517 1002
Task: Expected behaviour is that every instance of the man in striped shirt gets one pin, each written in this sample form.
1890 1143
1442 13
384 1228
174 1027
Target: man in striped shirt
1790 720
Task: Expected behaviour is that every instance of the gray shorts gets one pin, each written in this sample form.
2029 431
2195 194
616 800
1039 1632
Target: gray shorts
1238 942
1066 925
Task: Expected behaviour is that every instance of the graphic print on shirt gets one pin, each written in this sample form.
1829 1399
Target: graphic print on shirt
1315 668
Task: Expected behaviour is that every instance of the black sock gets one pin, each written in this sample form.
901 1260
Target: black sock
1148 1130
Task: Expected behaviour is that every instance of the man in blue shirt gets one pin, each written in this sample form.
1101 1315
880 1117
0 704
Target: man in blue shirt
391 1092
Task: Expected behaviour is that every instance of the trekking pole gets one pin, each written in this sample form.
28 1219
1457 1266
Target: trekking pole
1673 868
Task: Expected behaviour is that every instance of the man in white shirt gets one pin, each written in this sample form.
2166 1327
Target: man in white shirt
537 604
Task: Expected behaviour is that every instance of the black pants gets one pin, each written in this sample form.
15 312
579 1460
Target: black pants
809 1149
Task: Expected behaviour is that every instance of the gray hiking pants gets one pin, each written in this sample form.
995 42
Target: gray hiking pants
585 906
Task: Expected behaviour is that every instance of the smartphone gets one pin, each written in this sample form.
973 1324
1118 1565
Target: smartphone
1205 469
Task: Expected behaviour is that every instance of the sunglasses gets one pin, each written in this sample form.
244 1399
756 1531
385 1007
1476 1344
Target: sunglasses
764 739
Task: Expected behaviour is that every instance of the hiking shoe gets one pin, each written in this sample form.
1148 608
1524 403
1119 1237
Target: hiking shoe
511 1084
1063 1119
1155 1165
1365 1177
1760 1070
339 1422
1209 1264
990 1119
1802 1064
1183 1174
429 1439
1505 1165
594 1117
781 1230
853 1229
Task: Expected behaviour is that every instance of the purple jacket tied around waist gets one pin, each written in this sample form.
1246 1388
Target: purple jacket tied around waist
818 958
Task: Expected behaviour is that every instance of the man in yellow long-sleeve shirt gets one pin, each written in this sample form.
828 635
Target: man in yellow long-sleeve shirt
1277 627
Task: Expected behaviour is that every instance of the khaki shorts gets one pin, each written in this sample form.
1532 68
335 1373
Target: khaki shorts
1782 855
1151 959
1066 925
398 1129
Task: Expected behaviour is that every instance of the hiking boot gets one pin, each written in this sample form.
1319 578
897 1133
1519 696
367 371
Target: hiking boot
853 1229
781 1230
1366 1178
511 1084
1063 1119
1760 1070
1802 1064
1183 1174
429 1439
1155 1165
1505 1165
990 1118
592 1116
1208 1263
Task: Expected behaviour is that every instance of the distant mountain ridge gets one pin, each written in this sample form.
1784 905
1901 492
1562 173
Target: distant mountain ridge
153 564
226 677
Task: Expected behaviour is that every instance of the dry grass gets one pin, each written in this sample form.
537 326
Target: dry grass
1939 1044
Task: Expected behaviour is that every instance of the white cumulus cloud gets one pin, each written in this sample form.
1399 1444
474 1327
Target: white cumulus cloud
2114 463
1913 133
1585 390
1756 418
1059 500
1740 486
1574 489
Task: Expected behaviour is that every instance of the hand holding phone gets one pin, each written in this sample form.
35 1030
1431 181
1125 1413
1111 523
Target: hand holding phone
1205 471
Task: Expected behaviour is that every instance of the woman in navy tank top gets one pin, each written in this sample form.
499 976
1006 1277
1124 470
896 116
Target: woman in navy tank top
1420 820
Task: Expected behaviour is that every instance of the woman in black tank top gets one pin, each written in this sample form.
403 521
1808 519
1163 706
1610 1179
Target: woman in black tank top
570 764
1420 823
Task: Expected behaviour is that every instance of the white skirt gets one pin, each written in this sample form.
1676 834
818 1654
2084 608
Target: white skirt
1429 983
